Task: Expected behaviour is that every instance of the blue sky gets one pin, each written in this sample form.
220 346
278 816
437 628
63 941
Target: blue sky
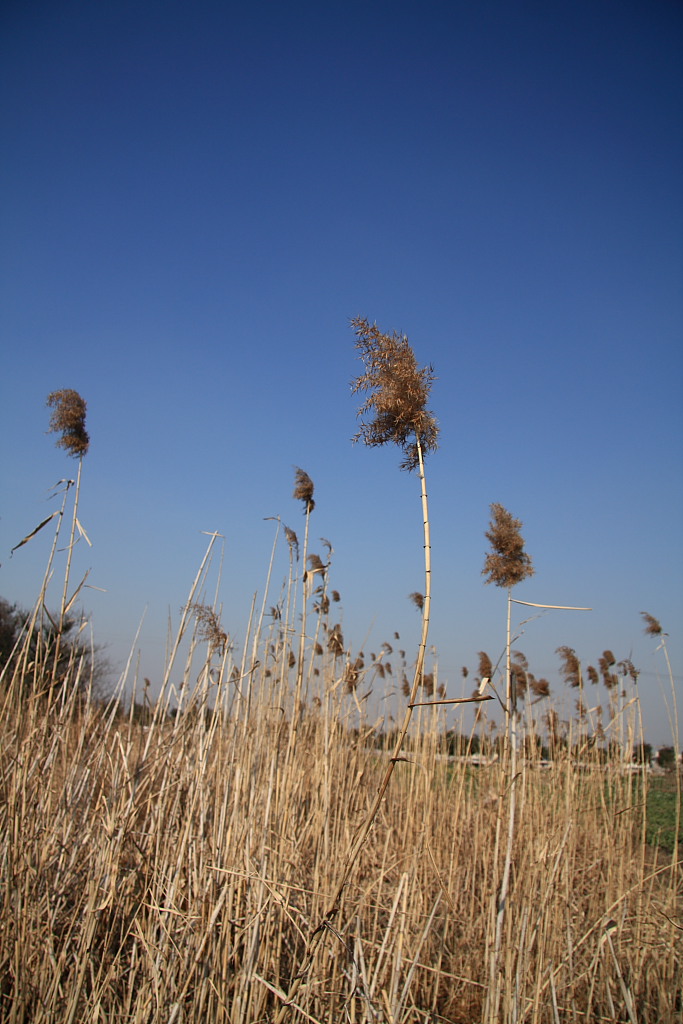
197 198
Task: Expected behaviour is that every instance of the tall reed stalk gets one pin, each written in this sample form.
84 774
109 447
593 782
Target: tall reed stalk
162 863
653 628
398 392
506 565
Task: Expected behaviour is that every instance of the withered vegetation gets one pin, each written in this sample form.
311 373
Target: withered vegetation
303 489
398 392
68 420
653 626
507 564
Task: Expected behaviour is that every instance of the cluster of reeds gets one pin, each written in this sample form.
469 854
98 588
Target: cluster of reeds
172 867
233 851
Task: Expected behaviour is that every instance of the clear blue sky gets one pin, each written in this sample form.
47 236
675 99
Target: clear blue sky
195 200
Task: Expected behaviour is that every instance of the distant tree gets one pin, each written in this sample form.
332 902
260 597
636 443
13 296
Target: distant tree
29 649
459 745
642 753
666 756
9 616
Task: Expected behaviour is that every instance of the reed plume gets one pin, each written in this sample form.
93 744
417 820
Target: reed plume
653 626
293 542
394 411
571 666
507 564
398 392
303 489
68 419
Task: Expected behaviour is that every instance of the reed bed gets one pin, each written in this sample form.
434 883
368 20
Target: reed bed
170 868
233 852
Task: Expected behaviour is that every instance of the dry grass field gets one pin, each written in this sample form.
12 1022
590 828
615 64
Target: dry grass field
159 868
246 850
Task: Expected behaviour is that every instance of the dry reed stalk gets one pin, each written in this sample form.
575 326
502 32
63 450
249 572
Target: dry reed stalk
173 870
506 565
68 420
398 395
175 889
303 491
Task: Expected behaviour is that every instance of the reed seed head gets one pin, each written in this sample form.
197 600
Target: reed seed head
303 489
352 673
209 628
485 666
418 600
539 687
627 668
653 626
507 564
571 666
293 542
316 564
605 664
398 392
335 641
68 419
518 680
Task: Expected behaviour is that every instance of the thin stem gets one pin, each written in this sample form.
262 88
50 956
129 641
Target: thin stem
296 713
67 574
511 760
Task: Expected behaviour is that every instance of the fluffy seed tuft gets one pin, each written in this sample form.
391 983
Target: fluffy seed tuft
398 394
68 419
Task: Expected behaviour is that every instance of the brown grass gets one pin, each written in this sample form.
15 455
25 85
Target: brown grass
171 869
174 867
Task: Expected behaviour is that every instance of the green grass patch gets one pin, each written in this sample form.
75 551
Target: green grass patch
662 799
